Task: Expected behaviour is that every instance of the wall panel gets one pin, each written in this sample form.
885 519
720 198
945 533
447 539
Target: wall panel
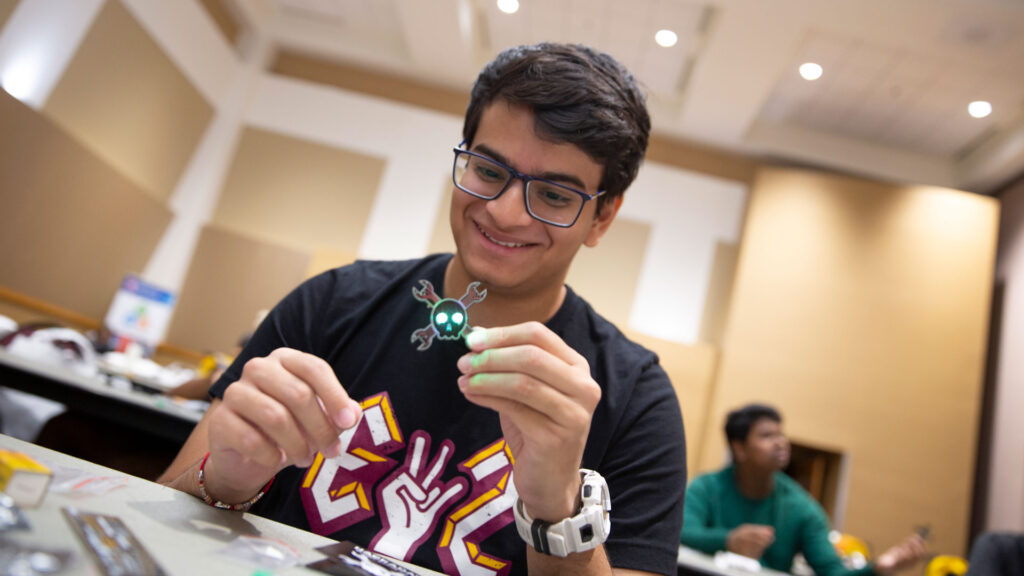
70 226
124 98
232 277
298 193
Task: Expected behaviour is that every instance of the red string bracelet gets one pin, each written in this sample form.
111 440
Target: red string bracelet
244 506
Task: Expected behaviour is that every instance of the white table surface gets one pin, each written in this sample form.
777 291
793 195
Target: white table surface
701 562
183 534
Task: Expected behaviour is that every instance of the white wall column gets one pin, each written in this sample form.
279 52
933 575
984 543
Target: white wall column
195 197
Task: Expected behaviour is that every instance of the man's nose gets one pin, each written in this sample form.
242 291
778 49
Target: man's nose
509 209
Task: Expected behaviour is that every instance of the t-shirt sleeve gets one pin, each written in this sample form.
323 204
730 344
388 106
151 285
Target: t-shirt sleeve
699 529
817 549
292 323
646 473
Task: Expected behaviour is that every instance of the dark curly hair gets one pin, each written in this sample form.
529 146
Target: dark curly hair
739 422
578 95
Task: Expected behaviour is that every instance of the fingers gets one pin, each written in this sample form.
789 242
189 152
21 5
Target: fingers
533 360
249 440
526 363
533 333
295 402
914 548
525 397
318 374
275 424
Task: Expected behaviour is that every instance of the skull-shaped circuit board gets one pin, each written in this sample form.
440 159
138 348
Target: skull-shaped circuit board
448 316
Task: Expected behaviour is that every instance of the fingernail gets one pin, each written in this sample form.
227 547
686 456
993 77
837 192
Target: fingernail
346 418
463 382
465 363
476 337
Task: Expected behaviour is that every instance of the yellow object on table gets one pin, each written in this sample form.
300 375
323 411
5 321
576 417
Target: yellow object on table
22 478
946 566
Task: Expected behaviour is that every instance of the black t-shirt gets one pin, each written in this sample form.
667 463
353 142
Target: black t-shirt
426 476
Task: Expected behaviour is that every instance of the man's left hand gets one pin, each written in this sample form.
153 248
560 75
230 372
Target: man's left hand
545 397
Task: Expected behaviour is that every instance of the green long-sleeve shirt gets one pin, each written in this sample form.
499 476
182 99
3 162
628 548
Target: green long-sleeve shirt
714 506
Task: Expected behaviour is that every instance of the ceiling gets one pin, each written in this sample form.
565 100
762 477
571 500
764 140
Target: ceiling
892 103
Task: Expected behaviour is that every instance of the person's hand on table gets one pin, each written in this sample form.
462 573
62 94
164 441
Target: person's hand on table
902 555
750 540
284 409
545 397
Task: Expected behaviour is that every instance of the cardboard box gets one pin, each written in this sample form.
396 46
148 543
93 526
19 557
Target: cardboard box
22 478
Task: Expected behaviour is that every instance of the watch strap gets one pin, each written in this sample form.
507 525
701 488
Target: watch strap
585 530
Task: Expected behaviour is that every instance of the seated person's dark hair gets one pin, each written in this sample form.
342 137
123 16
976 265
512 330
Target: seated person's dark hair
740 420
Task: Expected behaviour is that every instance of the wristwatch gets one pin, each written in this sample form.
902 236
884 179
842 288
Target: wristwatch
585 530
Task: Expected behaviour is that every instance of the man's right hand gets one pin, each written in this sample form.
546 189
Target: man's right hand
902 556
750 540
284 409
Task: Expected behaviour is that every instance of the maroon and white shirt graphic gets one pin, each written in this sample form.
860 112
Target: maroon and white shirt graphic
416 497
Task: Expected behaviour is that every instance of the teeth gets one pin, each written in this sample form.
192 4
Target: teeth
499 242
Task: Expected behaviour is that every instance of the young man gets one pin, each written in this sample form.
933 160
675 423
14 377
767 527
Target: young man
469 460
752 508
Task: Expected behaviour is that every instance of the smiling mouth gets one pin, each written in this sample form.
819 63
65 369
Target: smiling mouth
499 242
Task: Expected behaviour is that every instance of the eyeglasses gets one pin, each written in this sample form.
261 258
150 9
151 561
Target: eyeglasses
547 201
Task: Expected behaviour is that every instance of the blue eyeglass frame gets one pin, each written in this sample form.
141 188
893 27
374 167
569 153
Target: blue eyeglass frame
513 175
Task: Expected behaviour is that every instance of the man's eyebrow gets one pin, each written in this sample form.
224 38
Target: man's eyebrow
554 176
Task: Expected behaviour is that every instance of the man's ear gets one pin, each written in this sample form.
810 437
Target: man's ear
602 221
738 452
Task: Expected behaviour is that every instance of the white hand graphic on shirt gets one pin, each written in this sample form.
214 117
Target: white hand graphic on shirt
412 501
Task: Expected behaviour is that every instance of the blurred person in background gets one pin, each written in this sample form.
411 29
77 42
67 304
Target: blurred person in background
752 508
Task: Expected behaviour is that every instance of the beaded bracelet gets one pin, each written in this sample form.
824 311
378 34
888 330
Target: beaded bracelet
244 506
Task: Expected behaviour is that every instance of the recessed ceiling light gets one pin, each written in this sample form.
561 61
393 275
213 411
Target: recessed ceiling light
810 71
979 108
508 6
666 38
19 80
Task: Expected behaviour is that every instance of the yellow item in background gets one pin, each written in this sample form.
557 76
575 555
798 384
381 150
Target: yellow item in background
22 478
212 362
946 566
853 551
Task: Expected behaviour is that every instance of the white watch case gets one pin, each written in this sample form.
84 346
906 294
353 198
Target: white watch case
585 530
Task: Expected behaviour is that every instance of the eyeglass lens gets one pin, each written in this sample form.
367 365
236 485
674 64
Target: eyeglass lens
544 200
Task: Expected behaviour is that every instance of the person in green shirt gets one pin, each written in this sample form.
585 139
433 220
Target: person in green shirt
751 508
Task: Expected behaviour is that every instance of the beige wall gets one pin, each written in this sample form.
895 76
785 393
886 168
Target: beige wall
716 305
6 7
298 193
288 209
232 277
125 99
861 311
70 225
